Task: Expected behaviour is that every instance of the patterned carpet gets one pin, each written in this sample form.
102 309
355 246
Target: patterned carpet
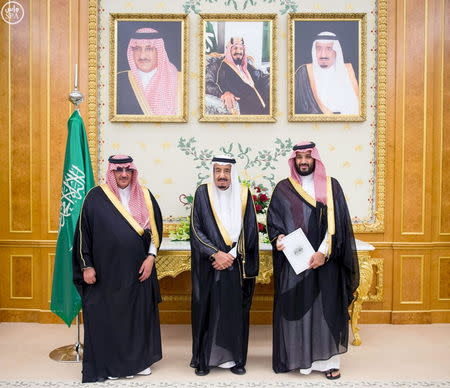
137 384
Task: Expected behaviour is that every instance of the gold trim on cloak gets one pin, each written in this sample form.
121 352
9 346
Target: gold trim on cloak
241 242
151 217
330 208
225 235
299 189
312 82
193 227
140 96
129 218
118 205
244 198
330 216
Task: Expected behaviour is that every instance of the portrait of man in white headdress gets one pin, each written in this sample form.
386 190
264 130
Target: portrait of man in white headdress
328 85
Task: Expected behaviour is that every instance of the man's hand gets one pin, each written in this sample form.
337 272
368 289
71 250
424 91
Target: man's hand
222 260
317 259
146 268
280 245
229 100
89 275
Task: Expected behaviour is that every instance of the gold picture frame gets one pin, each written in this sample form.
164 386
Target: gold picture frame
256 78
133 95
313 94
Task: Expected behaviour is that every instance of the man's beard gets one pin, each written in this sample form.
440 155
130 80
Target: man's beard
310 169
324 66
237 61
223 184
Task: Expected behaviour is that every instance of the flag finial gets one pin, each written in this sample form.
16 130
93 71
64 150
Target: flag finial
75 96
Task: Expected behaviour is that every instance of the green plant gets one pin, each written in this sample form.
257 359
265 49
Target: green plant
181 232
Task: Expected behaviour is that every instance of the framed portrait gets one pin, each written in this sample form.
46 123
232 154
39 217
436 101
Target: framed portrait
327 67
148 67
237 67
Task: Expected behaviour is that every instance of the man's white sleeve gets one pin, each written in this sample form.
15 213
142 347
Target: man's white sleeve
324 245
152 249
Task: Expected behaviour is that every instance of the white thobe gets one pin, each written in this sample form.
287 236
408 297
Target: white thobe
146 77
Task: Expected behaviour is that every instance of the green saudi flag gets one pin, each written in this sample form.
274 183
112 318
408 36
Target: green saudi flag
77 180
210 39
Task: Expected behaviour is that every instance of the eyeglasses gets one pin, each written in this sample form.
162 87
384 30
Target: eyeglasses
124 169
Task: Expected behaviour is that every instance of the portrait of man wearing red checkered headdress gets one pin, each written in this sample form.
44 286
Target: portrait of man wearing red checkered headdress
152 85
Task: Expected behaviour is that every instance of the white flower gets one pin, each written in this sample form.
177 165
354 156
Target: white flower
261 218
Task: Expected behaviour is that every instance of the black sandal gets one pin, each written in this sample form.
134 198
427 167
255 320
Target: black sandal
329 374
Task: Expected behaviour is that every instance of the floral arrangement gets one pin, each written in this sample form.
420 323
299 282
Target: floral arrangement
181 232
261 200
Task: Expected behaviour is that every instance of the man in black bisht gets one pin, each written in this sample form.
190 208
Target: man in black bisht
115 246
310 317
225 262
236 80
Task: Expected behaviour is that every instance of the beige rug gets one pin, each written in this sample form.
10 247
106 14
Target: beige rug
390 356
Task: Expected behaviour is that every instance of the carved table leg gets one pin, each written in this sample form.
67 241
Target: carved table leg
265 267
365 273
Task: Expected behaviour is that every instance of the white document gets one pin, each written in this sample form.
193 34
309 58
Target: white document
298 250
233 251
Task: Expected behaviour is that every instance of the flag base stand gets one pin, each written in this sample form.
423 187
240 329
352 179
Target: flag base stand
68 353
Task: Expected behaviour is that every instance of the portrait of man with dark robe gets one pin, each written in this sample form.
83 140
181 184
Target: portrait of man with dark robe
149 77
238 68
327 70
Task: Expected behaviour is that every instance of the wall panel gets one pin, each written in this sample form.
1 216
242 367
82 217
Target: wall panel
443 276
411 104
4 133
36 74
60 83
21 275
19 125
5 276
411 279
440 279
442 123
411 287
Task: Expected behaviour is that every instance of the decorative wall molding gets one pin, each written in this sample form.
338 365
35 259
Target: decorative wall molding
195 6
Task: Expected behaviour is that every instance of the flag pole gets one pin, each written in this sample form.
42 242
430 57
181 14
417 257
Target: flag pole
69 353
73 352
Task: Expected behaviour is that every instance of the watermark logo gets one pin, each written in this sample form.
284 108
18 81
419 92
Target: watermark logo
12 12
